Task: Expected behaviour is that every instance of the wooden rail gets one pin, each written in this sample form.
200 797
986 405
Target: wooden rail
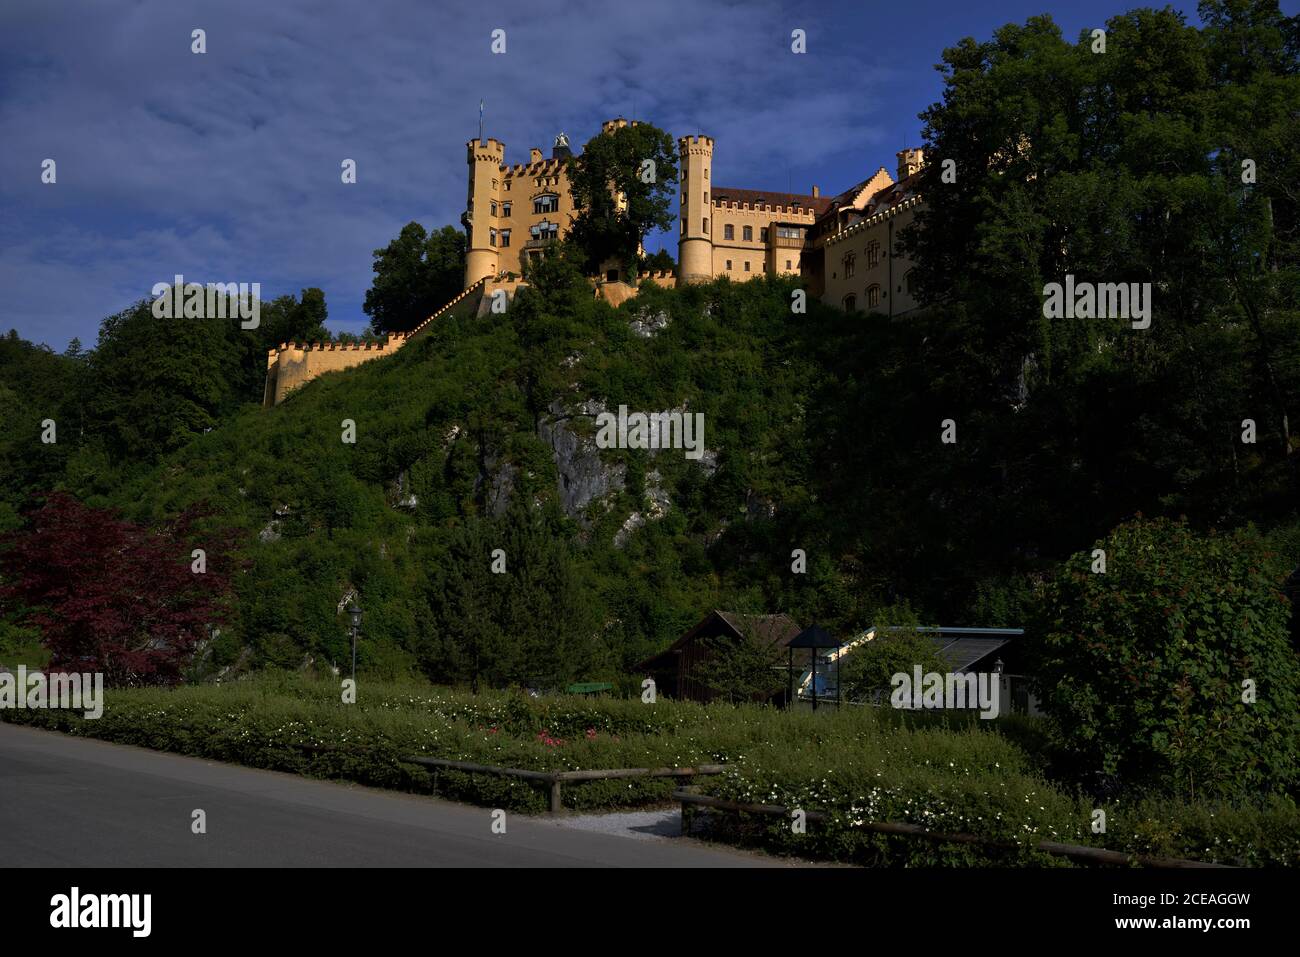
1078 852
556 779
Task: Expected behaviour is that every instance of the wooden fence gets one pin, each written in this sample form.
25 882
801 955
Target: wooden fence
557 779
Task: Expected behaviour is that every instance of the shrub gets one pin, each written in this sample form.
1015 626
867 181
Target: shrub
1143 667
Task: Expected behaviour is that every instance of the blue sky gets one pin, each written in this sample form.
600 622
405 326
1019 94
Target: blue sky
225 166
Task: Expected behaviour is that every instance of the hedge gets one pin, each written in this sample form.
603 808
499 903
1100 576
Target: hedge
859 764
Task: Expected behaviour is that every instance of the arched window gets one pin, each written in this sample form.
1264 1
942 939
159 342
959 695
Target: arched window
850 303
873 296
850 265
546 203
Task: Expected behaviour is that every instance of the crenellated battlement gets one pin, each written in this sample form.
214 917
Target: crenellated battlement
616 123
695 144
486 151
393 340
806 212
533 169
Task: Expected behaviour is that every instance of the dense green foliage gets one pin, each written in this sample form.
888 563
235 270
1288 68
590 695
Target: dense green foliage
897 648
415 275
859 765
1172 668
1125 166
622 185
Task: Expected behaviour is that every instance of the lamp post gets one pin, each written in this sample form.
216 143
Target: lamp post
354 616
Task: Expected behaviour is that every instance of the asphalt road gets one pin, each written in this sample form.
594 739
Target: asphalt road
73 802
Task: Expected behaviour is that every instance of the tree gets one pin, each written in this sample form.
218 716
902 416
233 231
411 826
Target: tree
1046 159
529 621
898 647
622 185
1173 667
659 261
153 384
415 274
740 670
111 596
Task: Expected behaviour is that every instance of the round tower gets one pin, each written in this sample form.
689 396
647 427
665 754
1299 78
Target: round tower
485 158
695 246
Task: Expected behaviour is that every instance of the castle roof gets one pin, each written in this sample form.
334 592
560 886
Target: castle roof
762 197
886 198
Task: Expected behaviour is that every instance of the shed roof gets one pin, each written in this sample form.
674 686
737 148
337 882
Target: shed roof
962 653
765 630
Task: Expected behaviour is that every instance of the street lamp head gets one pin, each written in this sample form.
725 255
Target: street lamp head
354 613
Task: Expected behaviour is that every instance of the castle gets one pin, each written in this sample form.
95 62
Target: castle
843 248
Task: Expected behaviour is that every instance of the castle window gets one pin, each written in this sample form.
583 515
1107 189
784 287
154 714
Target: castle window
505 238
748 234
494 207
505 209
787 264
492 237
850 265
706 224
728 265
706 199
746 265
850 303
762 234
873 296
873 255
545 230
728 231
546 203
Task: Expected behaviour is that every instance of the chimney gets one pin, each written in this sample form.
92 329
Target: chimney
534 156
816 192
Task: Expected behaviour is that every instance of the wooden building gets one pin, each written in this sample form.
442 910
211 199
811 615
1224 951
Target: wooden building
676 670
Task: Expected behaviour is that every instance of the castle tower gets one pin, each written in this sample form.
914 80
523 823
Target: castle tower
695 246
909 161
485 158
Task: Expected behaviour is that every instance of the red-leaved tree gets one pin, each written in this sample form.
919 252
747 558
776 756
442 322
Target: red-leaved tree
111 596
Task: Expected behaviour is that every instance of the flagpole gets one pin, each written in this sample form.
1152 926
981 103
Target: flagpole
480 121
